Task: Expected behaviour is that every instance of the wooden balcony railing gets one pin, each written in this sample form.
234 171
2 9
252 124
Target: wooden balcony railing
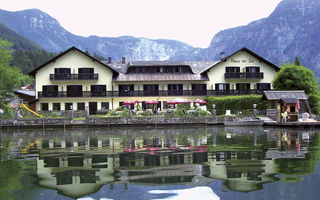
157 93
82 76
73 94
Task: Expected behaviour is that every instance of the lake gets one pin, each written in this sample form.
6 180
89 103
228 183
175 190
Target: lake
169 162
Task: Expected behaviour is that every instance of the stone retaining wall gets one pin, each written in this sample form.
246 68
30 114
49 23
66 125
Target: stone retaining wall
112 121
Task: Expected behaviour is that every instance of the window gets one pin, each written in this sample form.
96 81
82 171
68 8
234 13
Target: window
81 106
104 105
199 89
56 106
252 69
50 90
178 69
223 86
168 70
140 69
263 86
74 90
126 90
61 74
292 109
243 86
68 106
98 90
160 69
86 74
175 89
126 87
62 70
151 90
151 70
44 106
86 70
232 69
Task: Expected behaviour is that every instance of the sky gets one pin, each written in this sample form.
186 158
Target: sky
194 22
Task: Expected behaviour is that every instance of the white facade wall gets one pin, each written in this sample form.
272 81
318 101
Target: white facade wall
74 60
242 59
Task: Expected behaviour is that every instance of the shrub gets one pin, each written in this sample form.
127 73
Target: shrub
120 108
237 104
147 113
183 106
314 101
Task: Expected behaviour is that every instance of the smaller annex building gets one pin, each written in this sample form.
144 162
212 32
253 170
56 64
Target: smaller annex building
74 80
291 102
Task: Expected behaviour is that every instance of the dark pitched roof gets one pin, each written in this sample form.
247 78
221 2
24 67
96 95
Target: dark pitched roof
195 66
250 52
32 73
161 77
277 95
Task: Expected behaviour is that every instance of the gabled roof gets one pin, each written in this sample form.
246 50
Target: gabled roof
249 52
73 48
288 94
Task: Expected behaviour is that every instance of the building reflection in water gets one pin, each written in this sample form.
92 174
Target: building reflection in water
78 163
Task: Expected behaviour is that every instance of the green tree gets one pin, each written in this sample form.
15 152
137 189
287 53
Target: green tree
293 77
10 77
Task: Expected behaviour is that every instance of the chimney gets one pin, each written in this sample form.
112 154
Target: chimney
222 55
123 60
109 60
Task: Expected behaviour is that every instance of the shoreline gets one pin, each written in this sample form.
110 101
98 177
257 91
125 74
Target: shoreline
136 121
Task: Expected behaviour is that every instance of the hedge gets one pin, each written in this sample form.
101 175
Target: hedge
236 103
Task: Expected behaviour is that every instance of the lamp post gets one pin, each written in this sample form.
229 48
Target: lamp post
214 111
254 110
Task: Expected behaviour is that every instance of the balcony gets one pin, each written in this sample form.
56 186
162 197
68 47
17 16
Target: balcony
233 92
160 93
243 75
81 76
73 94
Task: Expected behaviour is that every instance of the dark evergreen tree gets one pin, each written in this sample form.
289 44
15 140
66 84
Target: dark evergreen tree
297 61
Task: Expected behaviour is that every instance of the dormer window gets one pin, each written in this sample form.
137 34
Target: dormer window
140 69
160 69
178 69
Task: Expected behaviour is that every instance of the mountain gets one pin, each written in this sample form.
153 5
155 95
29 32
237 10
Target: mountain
50 35
292 29
26 54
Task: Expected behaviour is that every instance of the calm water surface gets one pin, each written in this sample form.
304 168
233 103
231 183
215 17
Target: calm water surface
160 163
